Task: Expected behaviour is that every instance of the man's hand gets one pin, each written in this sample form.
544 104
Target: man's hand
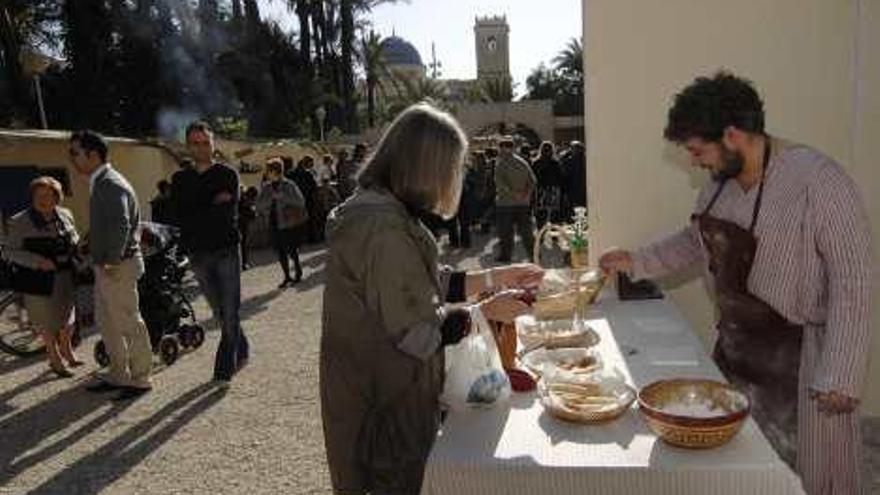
46 265
616 260
222 197
519 276
834 402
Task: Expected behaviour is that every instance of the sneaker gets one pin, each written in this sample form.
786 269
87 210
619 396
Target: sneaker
222 383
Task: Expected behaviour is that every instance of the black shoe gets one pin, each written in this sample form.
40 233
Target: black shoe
130 393
102 387
287 282
502 260
61 372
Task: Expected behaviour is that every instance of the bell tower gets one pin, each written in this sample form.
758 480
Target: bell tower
493 48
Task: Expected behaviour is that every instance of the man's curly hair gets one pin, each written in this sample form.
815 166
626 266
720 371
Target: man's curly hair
709 105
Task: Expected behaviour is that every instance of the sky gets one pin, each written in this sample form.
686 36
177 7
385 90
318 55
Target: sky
539 29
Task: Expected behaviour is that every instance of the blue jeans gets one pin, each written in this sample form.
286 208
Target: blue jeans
219 276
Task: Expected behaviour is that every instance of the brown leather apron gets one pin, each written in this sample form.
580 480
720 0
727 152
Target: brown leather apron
758 350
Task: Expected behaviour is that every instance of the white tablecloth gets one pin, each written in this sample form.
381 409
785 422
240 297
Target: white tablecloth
520 449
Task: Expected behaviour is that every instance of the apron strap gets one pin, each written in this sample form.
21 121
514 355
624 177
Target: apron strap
764 167
715 197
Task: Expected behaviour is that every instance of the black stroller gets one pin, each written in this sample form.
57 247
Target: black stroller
162 301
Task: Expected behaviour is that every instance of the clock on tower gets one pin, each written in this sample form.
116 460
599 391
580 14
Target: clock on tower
493 56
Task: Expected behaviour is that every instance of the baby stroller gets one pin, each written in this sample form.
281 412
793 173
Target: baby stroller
162 302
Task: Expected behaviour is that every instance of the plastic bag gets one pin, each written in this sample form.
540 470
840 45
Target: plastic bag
474 375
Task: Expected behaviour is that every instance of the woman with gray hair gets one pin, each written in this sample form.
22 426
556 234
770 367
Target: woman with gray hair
282 202
42 240
385 323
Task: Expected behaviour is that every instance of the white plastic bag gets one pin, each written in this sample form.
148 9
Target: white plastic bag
474 375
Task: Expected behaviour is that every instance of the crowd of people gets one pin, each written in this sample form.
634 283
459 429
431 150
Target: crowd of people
515 191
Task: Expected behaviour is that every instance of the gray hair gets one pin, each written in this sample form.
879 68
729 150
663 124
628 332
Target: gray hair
420 160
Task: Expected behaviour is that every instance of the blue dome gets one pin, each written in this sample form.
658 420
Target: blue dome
398 51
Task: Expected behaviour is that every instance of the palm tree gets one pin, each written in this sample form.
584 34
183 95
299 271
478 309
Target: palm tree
422 89
570 70
571 59
498 89
348 12
375 70
476 93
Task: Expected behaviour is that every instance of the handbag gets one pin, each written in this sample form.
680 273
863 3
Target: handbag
294 216
34 282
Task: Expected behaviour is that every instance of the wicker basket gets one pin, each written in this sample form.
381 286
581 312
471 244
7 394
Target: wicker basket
558 306
581 288
624 395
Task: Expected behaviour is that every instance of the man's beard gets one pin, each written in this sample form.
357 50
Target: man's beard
733 165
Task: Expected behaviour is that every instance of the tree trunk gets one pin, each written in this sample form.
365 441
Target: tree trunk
316 17
304 11
87 36
371 102
252 16
347 40
321 33
11 44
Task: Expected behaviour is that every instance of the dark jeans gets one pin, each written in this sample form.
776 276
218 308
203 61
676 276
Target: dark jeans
460 228
219 276
244 229
286 243
508 217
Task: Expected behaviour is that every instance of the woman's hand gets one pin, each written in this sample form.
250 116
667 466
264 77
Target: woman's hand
504 306
519 276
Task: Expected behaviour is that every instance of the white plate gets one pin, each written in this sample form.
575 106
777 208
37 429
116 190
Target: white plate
562 359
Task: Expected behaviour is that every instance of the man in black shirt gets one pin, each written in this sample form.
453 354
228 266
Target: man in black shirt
206 199
548 171
304 179
575 172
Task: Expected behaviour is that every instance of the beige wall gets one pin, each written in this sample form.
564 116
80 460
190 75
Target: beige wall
799 53
142 165
867 165
537 114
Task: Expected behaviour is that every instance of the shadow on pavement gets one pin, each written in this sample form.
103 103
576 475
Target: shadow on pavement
95 472
5 397
10 363
24 430
257 304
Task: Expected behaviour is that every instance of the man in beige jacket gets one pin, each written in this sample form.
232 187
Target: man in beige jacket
514 184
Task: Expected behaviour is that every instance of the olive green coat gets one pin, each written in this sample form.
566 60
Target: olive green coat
381 362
